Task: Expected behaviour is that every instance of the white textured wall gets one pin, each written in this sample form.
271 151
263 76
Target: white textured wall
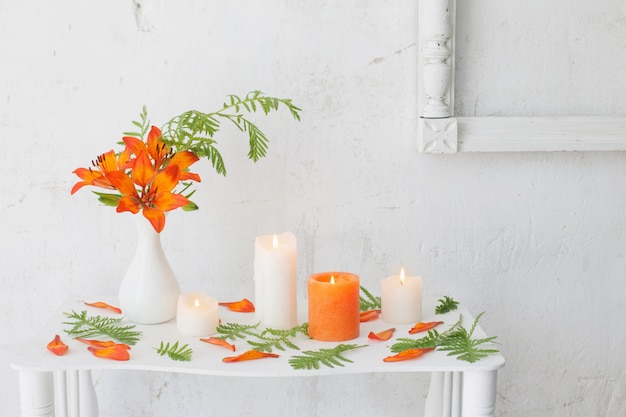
534 239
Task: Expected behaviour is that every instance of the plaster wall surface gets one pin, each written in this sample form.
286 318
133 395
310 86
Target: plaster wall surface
536 240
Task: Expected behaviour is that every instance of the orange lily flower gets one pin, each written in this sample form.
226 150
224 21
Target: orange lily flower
106 162
147 181
408 354
249 356
155 201
243 306
422 327
56 346
219 342
368 315
100 304
384 335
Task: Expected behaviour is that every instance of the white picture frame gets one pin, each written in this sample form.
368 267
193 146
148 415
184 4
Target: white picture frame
440 132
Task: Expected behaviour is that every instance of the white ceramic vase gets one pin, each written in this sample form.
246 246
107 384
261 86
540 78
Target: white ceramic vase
149 290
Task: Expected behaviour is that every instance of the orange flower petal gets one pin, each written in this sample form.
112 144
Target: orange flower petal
128 203
156 218
101 344
168 201
384 335
135 145
143 171
165 180
422 327
369 315
56 346
108 161
183 159
219 342
122 182
249 356
156 147
408 354
185 176
243 306
100 304
116 352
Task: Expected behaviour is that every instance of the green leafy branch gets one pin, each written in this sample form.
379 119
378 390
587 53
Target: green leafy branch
194 130
456 340
267 340
178 353
446 305
84 326
460 343
235 331
368 301
311 359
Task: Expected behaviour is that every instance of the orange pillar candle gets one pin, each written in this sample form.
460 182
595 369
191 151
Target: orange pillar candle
334 306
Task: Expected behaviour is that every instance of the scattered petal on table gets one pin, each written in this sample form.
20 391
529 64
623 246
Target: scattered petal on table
369 315
100 343
100 304
408 354
56 346
422 327
243 306
115 352
249 356
219 342
384 335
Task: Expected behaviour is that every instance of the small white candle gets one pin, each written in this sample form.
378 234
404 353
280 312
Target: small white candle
401 299
197 314
275 267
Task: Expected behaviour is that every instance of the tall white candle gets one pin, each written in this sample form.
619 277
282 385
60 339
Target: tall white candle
196 314
401 299
275 267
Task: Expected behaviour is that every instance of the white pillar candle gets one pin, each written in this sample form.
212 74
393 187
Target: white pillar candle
275 267
401 299
197 314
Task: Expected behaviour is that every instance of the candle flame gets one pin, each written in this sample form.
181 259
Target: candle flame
402 276
196 303
275 242
332 279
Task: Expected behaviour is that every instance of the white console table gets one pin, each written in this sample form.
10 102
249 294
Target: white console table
61 386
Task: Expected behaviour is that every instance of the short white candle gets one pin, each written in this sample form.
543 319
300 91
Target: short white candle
197 314
401 299
275 267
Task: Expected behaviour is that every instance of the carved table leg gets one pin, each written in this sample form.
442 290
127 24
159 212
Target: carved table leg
36 393
444 395
75 395
479 393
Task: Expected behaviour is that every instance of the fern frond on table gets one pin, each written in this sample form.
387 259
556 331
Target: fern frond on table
235 331
177 353
87 327
459 342
312 359
446 305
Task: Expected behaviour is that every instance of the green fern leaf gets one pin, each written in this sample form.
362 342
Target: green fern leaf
446 305
177 353
86 327
368 301
311 359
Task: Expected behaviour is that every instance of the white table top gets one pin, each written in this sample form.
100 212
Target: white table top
207 359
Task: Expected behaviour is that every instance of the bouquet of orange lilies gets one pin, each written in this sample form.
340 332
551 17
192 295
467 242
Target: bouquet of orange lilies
146 174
